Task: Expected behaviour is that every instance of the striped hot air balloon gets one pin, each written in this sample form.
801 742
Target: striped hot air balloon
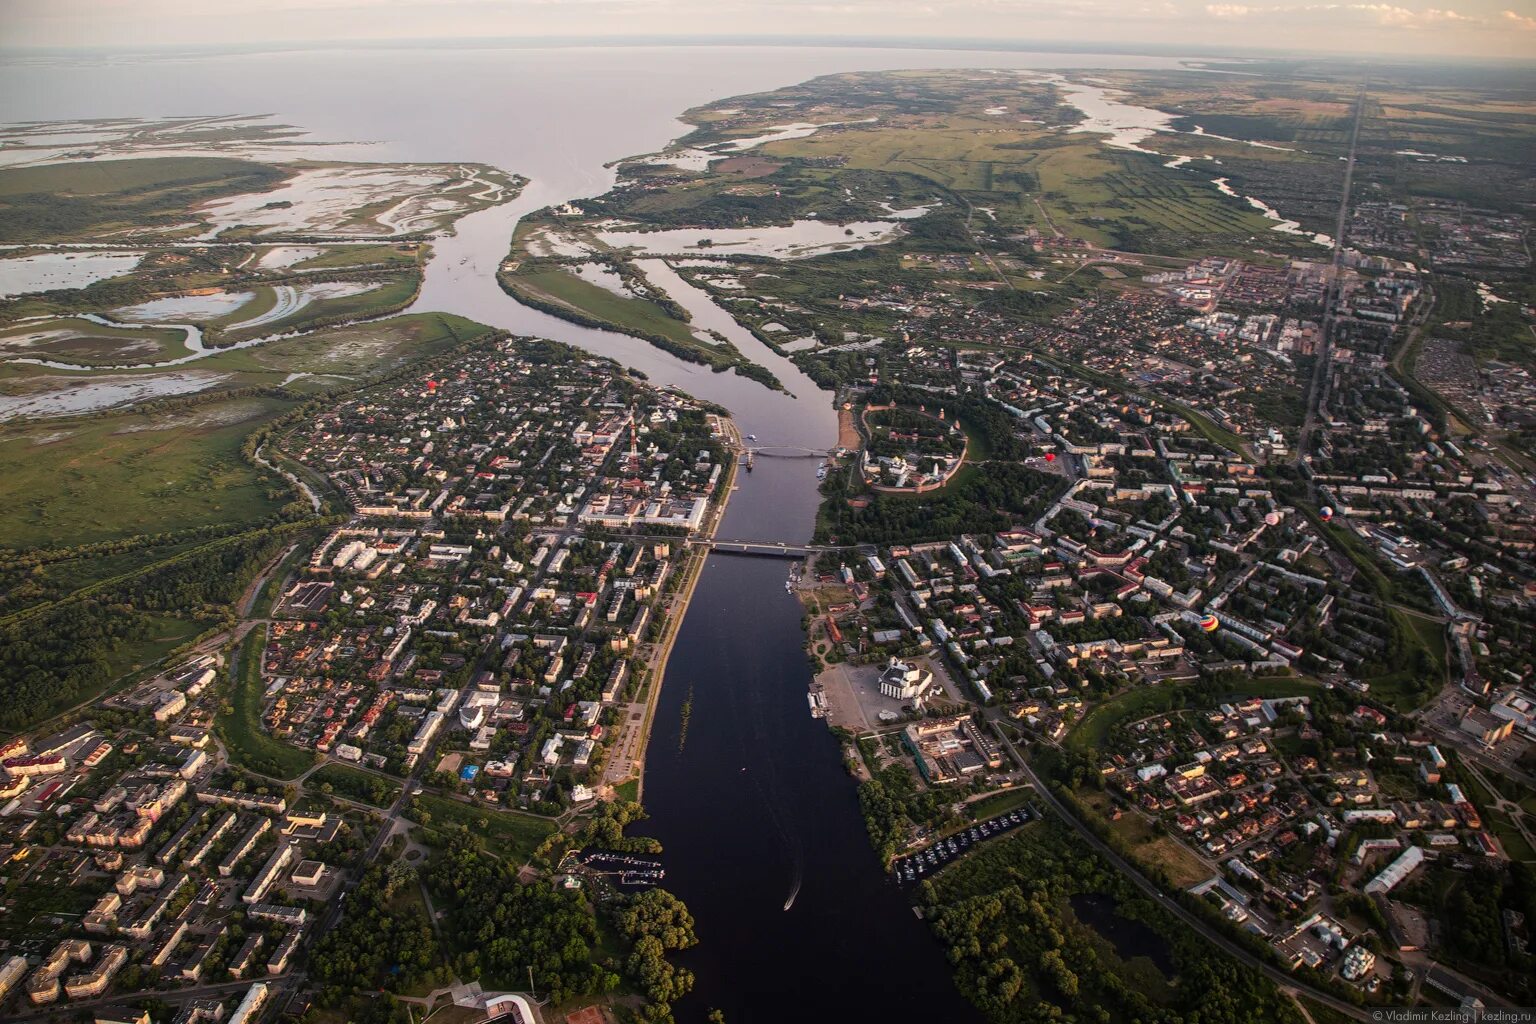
1326 513
1210 623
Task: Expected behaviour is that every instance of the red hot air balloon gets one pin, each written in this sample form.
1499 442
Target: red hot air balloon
1210 623
1050 456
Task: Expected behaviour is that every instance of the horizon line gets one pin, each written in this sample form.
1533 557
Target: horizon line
962 43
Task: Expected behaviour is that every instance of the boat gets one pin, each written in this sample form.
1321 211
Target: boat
749 462
818 705
751 437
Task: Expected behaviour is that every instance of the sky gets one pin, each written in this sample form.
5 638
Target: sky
1473 28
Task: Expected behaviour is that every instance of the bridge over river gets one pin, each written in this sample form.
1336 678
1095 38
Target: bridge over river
765 549
786 451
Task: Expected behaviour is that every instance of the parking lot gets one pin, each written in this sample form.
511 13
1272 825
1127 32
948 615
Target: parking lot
914 867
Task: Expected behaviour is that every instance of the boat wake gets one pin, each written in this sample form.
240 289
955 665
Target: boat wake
755 714
795 890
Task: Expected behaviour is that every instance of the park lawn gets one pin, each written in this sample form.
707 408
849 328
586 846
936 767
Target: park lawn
355 784
166 633
68 482
511 835
1397 690
1431 634
1094 729
92 344
1509 836
628 791
1138 838
240 727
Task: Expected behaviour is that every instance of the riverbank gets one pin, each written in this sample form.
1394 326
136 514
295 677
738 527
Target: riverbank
568 297
640 738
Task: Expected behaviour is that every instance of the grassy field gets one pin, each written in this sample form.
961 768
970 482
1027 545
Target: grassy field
360 350
1135 832
81 481
1116 199
394 293
262 299
339 256
74 340
103 177
634 314
999 803
241 730
355 784
508 834
170 470
62 202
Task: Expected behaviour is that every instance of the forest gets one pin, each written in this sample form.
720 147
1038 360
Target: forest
1020 952
988 499
58 653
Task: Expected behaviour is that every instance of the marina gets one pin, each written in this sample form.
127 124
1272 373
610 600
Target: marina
623 870
913 867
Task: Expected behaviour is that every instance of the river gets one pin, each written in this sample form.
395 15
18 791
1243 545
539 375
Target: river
760 822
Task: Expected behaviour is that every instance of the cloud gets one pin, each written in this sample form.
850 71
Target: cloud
1384 15
1520 21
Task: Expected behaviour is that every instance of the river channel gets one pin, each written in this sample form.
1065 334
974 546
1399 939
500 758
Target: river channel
761 825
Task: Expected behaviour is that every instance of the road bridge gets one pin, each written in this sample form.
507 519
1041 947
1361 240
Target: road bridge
786 451
762 548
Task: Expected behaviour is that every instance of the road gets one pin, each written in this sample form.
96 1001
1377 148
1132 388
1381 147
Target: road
72 1008
1282 979
1317 393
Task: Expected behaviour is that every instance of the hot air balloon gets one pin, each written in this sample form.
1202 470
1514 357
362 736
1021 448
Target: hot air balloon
1210 623
1326 513
1272 518
431 385
1050 456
